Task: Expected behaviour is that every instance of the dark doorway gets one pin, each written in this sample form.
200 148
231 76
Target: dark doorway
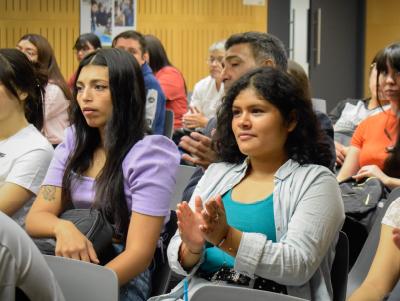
336 49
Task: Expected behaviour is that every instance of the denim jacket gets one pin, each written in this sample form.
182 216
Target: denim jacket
308 212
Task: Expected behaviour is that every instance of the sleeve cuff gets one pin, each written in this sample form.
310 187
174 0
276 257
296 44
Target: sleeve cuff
173 258
249 253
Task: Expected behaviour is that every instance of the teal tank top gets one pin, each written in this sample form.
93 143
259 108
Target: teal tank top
256 217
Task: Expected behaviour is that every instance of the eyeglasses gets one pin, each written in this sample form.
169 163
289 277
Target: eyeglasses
213 59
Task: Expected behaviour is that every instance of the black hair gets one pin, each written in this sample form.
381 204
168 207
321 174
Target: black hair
304 144
124 129
18 75
390 55
83 39
263 45
47 61
134 35
158 55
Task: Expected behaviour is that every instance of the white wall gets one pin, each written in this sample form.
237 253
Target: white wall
298 32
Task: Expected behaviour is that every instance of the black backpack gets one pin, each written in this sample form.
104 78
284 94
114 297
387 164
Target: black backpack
361 201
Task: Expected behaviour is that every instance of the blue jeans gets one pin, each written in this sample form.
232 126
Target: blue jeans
137 289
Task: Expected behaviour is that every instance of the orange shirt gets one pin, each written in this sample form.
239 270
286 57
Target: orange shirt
371 139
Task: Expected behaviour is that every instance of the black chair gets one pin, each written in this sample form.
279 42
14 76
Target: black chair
361 267
340 268
162 272
169 123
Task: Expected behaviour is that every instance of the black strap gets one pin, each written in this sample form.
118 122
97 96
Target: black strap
230 276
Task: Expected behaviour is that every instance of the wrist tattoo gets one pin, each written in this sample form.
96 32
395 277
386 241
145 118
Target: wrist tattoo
49 193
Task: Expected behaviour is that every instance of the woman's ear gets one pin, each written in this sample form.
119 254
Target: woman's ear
292 123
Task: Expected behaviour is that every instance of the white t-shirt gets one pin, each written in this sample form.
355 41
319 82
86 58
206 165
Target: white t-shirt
205 96
24 159
350 118
392 215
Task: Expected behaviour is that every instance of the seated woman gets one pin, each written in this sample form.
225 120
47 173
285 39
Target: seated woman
270 210
208 92
24 153
57 94
170 79
84 44
385 269
107 162
375 137
348 114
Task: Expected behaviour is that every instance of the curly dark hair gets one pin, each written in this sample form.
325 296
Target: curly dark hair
304 144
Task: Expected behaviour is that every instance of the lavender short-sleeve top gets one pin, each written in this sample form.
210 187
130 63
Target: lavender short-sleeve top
149 171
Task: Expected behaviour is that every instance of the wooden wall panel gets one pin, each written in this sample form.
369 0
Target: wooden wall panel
186 27
57 20
382 28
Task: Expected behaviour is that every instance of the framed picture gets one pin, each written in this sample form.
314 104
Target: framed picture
107 18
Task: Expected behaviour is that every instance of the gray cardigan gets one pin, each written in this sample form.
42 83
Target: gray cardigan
308 212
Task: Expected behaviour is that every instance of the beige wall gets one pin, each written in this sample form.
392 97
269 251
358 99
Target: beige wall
57 20
382 28
186 27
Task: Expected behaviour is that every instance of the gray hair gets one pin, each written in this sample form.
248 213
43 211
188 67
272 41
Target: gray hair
217 46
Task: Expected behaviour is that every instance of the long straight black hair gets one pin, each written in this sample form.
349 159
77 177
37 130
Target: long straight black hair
125 127
158 57
390 55
18 74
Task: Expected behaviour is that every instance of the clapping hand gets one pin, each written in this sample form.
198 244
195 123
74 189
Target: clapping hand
189 222
214 226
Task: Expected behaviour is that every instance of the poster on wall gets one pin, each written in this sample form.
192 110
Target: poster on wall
107 18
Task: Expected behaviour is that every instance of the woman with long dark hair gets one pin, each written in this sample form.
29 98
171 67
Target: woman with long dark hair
107 162
57 94
170 78
385 268
270 210
24 153
375 148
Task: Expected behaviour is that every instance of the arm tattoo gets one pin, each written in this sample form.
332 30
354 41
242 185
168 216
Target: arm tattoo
49 193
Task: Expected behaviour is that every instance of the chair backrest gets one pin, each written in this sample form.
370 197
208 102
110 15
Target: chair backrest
234 293
395 293
169 123
361 267
340 268
319 104
81 280
162 272
182 179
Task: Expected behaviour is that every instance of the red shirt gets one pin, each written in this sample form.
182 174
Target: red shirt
173 86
